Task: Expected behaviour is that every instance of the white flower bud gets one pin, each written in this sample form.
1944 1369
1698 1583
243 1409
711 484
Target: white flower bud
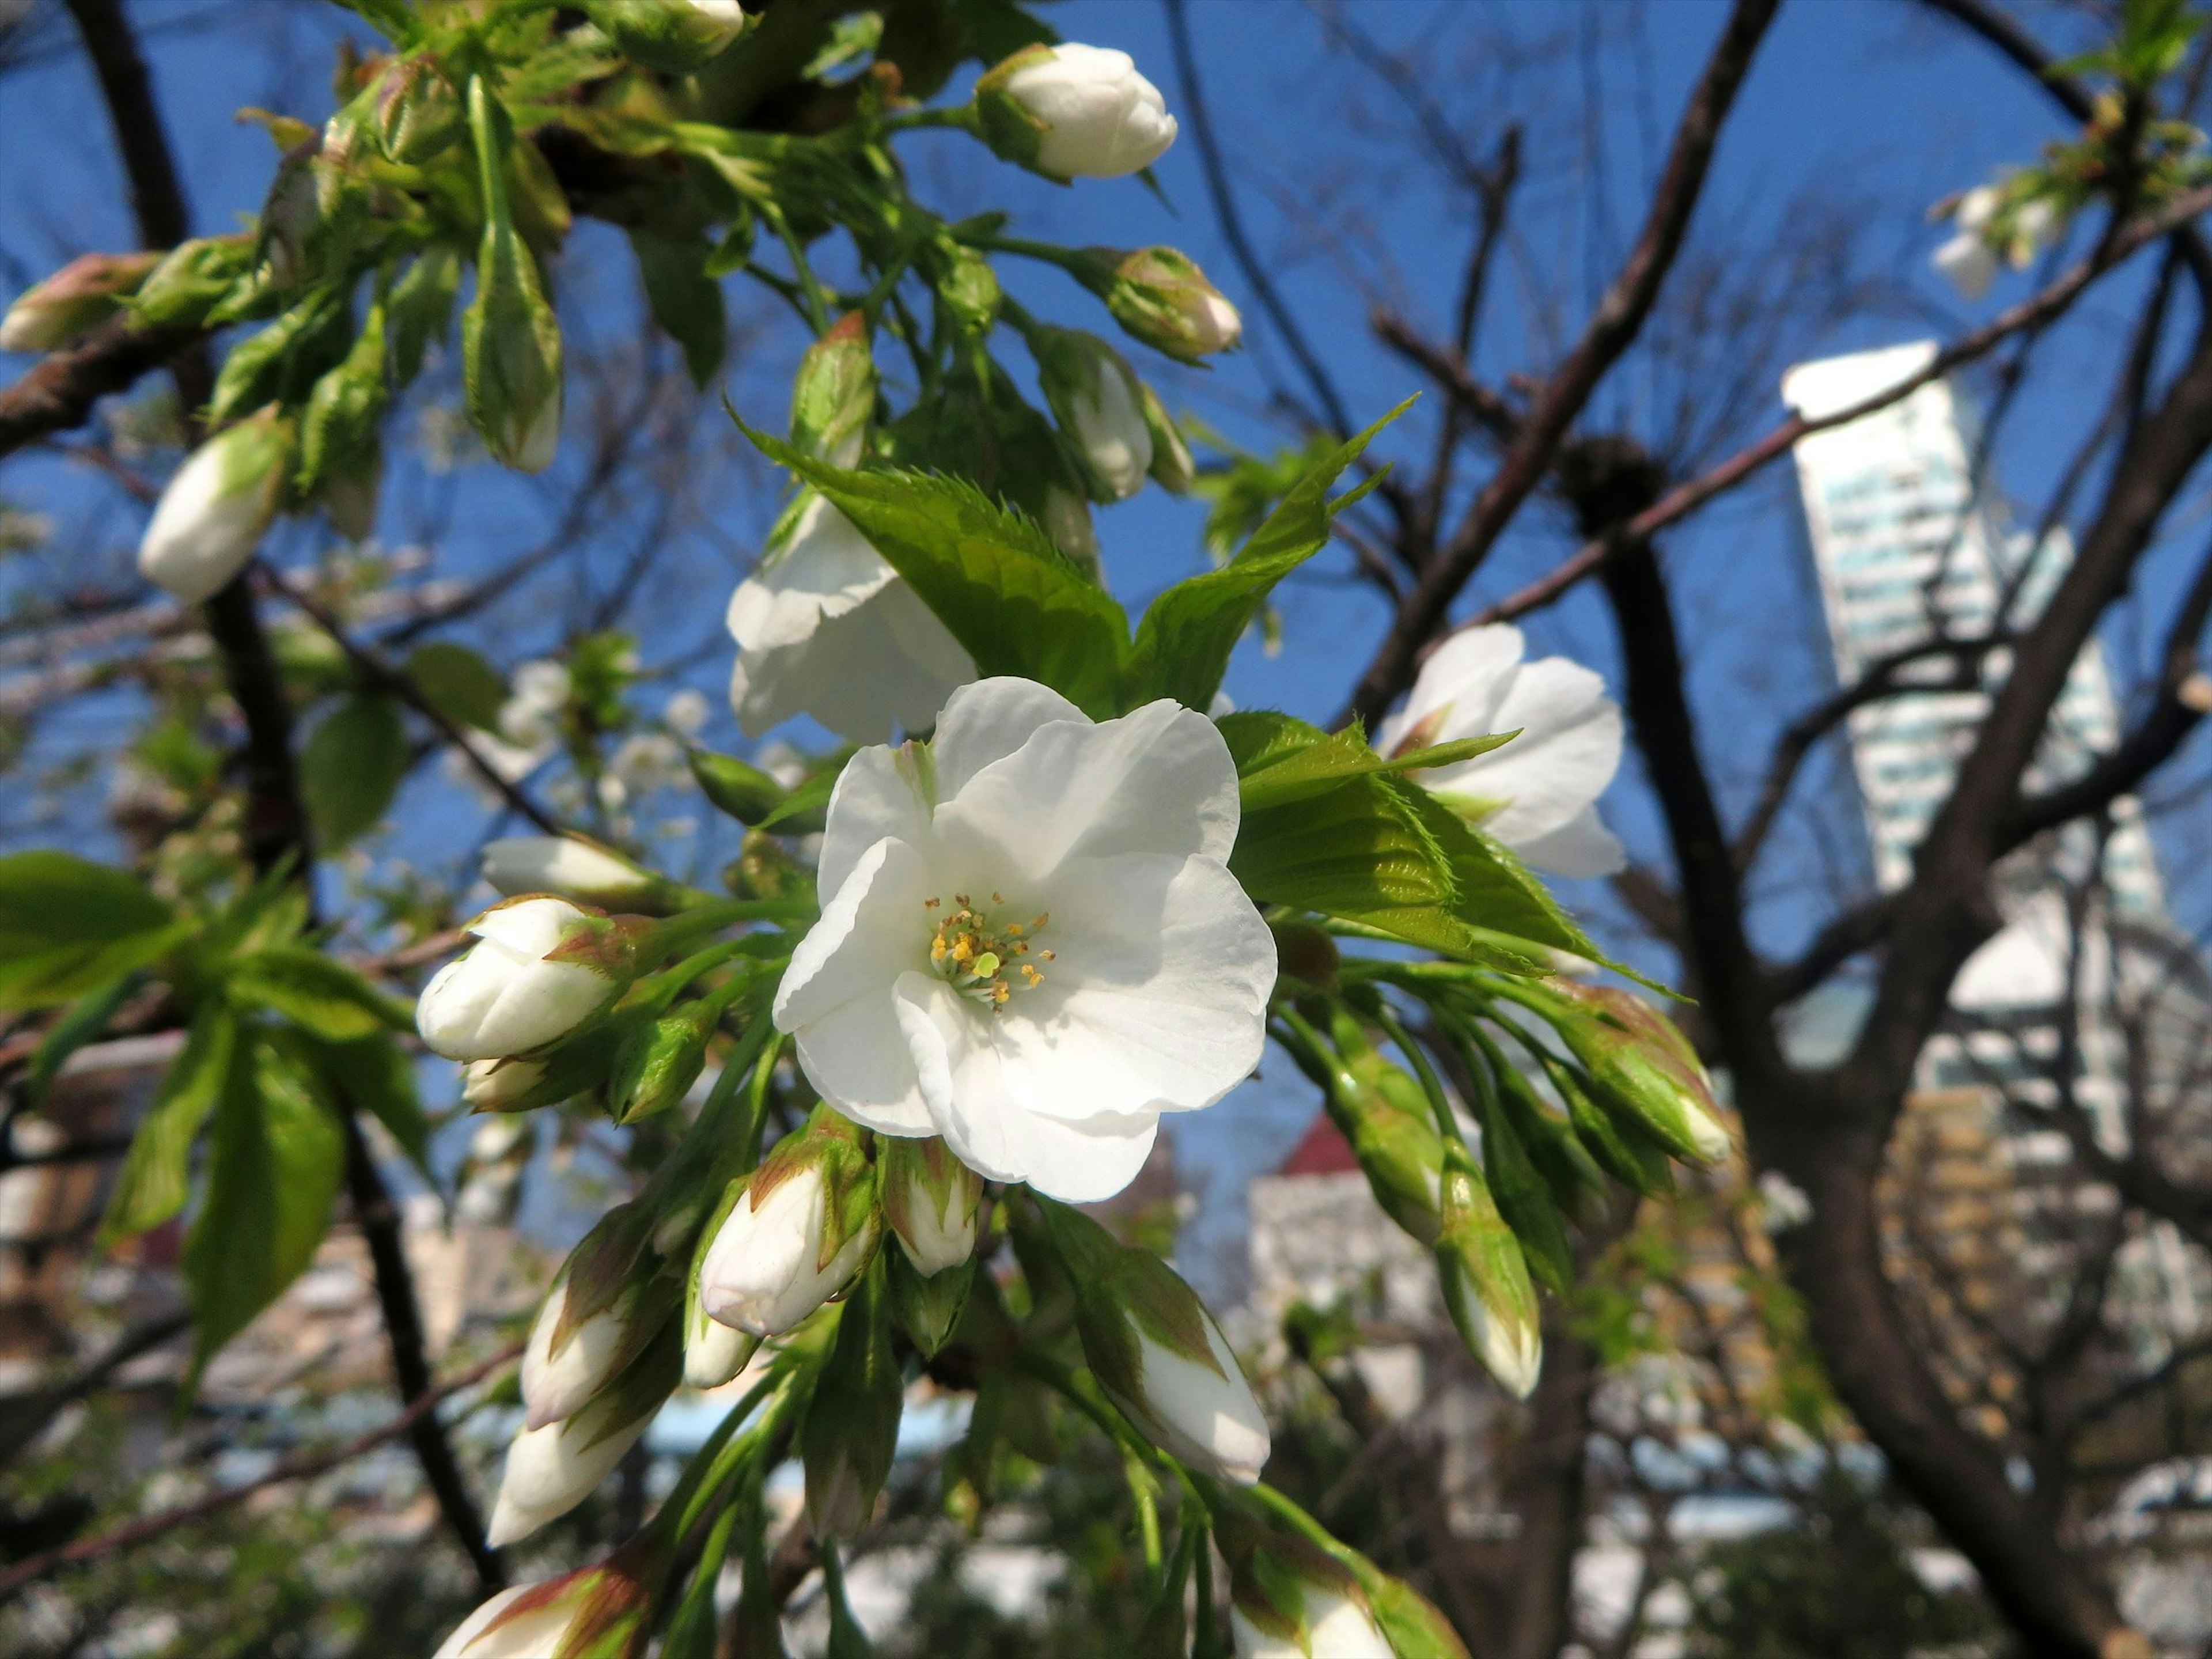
713 1352
1098 403
574 867
1968 263
550 1470
535 1632
1163 299
771 1266
1074 112
591 1610
491 1085
84 293
556 1383
1158 1353
540 968
1336 1626
930 1199
216 509
1205 1413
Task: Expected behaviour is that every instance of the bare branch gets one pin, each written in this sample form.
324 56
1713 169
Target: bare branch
1620 318
15 1579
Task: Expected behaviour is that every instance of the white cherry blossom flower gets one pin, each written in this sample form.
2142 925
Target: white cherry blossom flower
825 628
1032 943
1538 793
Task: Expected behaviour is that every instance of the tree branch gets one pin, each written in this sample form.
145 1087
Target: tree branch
15 1579
60 391
1620 318
1686 498
1232 223
379 1219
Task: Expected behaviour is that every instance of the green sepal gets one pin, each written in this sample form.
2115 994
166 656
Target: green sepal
851 1431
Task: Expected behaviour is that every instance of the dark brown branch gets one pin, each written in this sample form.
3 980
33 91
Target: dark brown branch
29 1571
1879 681
24 1417
1232 223
1475 401
1685 499
1620 318
59 393
2180 704
379 1220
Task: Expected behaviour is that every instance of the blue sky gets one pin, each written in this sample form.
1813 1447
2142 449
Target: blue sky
1857 115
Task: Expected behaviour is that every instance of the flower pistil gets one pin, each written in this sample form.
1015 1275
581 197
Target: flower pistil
981 958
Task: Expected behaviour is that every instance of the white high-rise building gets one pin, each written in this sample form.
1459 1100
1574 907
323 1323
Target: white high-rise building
1910 554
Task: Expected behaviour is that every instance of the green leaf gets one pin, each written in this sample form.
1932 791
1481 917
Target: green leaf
459 683
1347 840
1497 893
156 1173
374 1075
317 993
1007 594
274 1167
1285 770
82 1024
1183 644
685 301
351 768
69 925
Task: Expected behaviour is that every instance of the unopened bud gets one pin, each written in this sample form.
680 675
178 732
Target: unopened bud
806 1222
1288 1600
971 291
1173 468
190 279
550 1470
1485 1279
419 114
540 968
1161 297
576 868
1099 404
217 508
591 1610
1074 111
510 339
660 1061
834 397
930 1199
1157 1353
83 293
678 36
1641 1065
744 791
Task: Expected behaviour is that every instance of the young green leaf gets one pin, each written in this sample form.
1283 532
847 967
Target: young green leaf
459 683
685 301
156 1172
1009 596
317 993
69 925
351 766
274 1168
1183 644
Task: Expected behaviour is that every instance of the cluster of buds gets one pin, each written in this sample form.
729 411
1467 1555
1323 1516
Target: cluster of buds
1639 1067
1072 112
